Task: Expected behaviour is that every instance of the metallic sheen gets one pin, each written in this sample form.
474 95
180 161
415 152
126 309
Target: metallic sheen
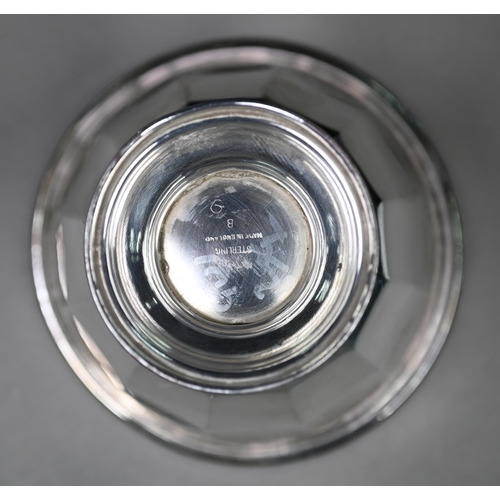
235 246
232 220
341 339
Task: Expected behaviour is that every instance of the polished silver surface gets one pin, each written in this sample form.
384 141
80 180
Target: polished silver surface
370 340
235 246
234 221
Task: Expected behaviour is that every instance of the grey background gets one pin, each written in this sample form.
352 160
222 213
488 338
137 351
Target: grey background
445 69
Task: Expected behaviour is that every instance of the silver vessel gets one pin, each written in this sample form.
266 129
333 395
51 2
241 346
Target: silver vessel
269 238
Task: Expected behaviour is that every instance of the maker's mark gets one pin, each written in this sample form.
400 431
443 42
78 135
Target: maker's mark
238 246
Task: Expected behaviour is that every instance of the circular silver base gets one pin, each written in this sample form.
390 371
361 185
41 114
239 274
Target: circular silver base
270 347
235 247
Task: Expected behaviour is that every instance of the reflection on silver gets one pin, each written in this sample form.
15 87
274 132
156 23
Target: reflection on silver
232 220
281 368
236 247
